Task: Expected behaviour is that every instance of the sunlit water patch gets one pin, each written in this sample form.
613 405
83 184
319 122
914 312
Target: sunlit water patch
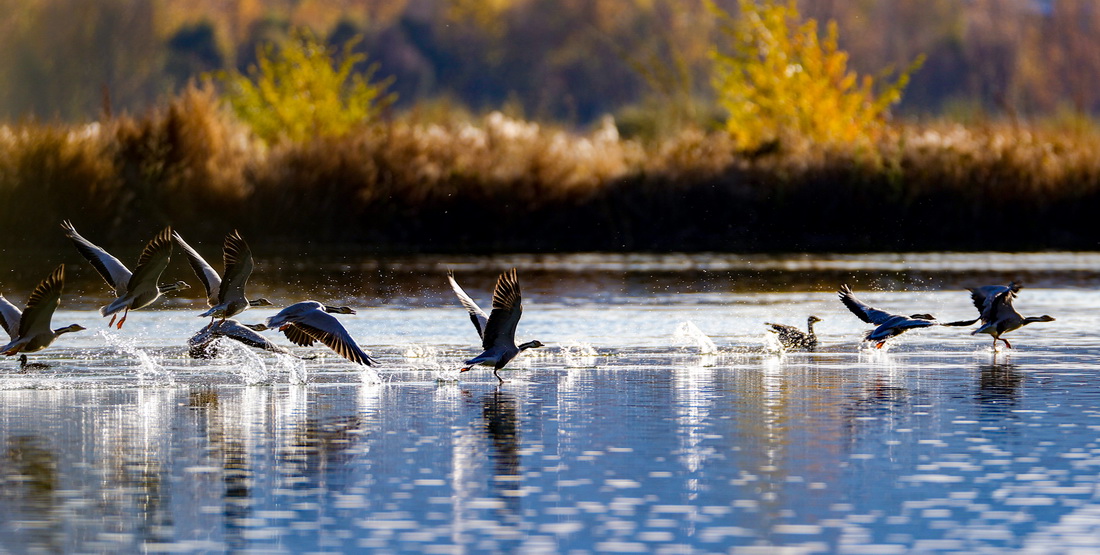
627 432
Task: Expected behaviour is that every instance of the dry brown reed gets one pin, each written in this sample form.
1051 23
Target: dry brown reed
498 183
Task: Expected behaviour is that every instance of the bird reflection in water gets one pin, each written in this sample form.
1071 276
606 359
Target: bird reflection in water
28 493
500 413
998 389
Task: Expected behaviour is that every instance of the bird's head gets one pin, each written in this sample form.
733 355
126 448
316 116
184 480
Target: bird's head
1045 318
531 345
813 320
260 302
256 327
70 328
174 286
922 317
339 309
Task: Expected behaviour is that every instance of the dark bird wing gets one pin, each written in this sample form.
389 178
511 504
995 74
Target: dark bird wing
234 330
209 277
115 273
864 312
152 262
500 329
477 316
784 329
42 303
238 267
991 300
325 328
298 336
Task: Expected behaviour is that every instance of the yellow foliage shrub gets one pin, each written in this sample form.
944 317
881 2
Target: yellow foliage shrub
782 81
303 91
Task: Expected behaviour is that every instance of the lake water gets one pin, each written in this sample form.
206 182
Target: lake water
659 418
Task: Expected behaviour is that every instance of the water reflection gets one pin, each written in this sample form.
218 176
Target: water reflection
499 412
998 389
28 494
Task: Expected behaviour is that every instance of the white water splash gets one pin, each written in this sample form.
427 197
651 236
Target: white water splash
688 332
295 369
771 345
148 369
578 354
243 362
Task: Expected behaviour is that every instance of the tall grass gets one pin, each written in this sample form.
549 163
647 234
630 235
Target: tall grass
496 183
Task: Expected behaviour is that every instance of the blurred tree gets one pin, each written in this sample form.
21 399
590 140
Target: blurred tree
781 80
193 50
302 90
63 54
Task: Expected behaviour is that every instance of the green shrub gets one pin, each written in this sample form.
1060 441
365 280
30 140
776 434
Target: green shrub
303 90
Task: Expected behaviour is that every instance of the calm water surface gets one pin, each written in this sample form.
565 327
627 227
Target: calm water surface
659 418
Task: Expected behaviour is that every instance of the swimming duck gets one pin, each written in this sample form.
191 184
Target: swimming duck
792 338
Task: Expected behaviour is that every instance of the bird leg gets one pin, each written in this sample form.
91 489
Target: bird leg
466 369
1007 344
111 324
498 376
123 320
880 344
22 363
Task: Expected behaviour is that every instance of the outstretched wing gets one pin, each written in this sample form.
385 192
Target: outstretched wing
152 262
298 336
210 279
507 308
114 272
9 317
328 330
238 267
990 300
42 303
863 311
477 316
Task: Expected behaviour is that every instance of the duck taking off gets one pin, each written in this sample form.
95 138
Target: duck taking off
308 322
132 291
203 343
792 338
497 329
30 329
889 325
998 316
225 293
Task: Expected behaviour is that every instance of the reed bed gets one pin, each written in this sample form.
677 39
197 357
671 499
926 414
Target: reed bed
496 183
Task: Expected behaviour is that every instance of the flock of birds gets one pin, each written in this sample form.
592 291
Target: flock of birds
305 323
995 312
309 322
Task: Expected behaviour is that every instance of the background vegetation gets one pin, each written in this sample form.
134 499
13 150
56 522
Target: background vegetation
464 125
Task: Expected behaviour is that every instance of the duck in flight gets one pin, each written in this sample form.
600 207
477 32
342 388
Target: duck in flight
497 329
225 293
889 325
202 344
29 329
309 322
792 338
998 316
132 290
